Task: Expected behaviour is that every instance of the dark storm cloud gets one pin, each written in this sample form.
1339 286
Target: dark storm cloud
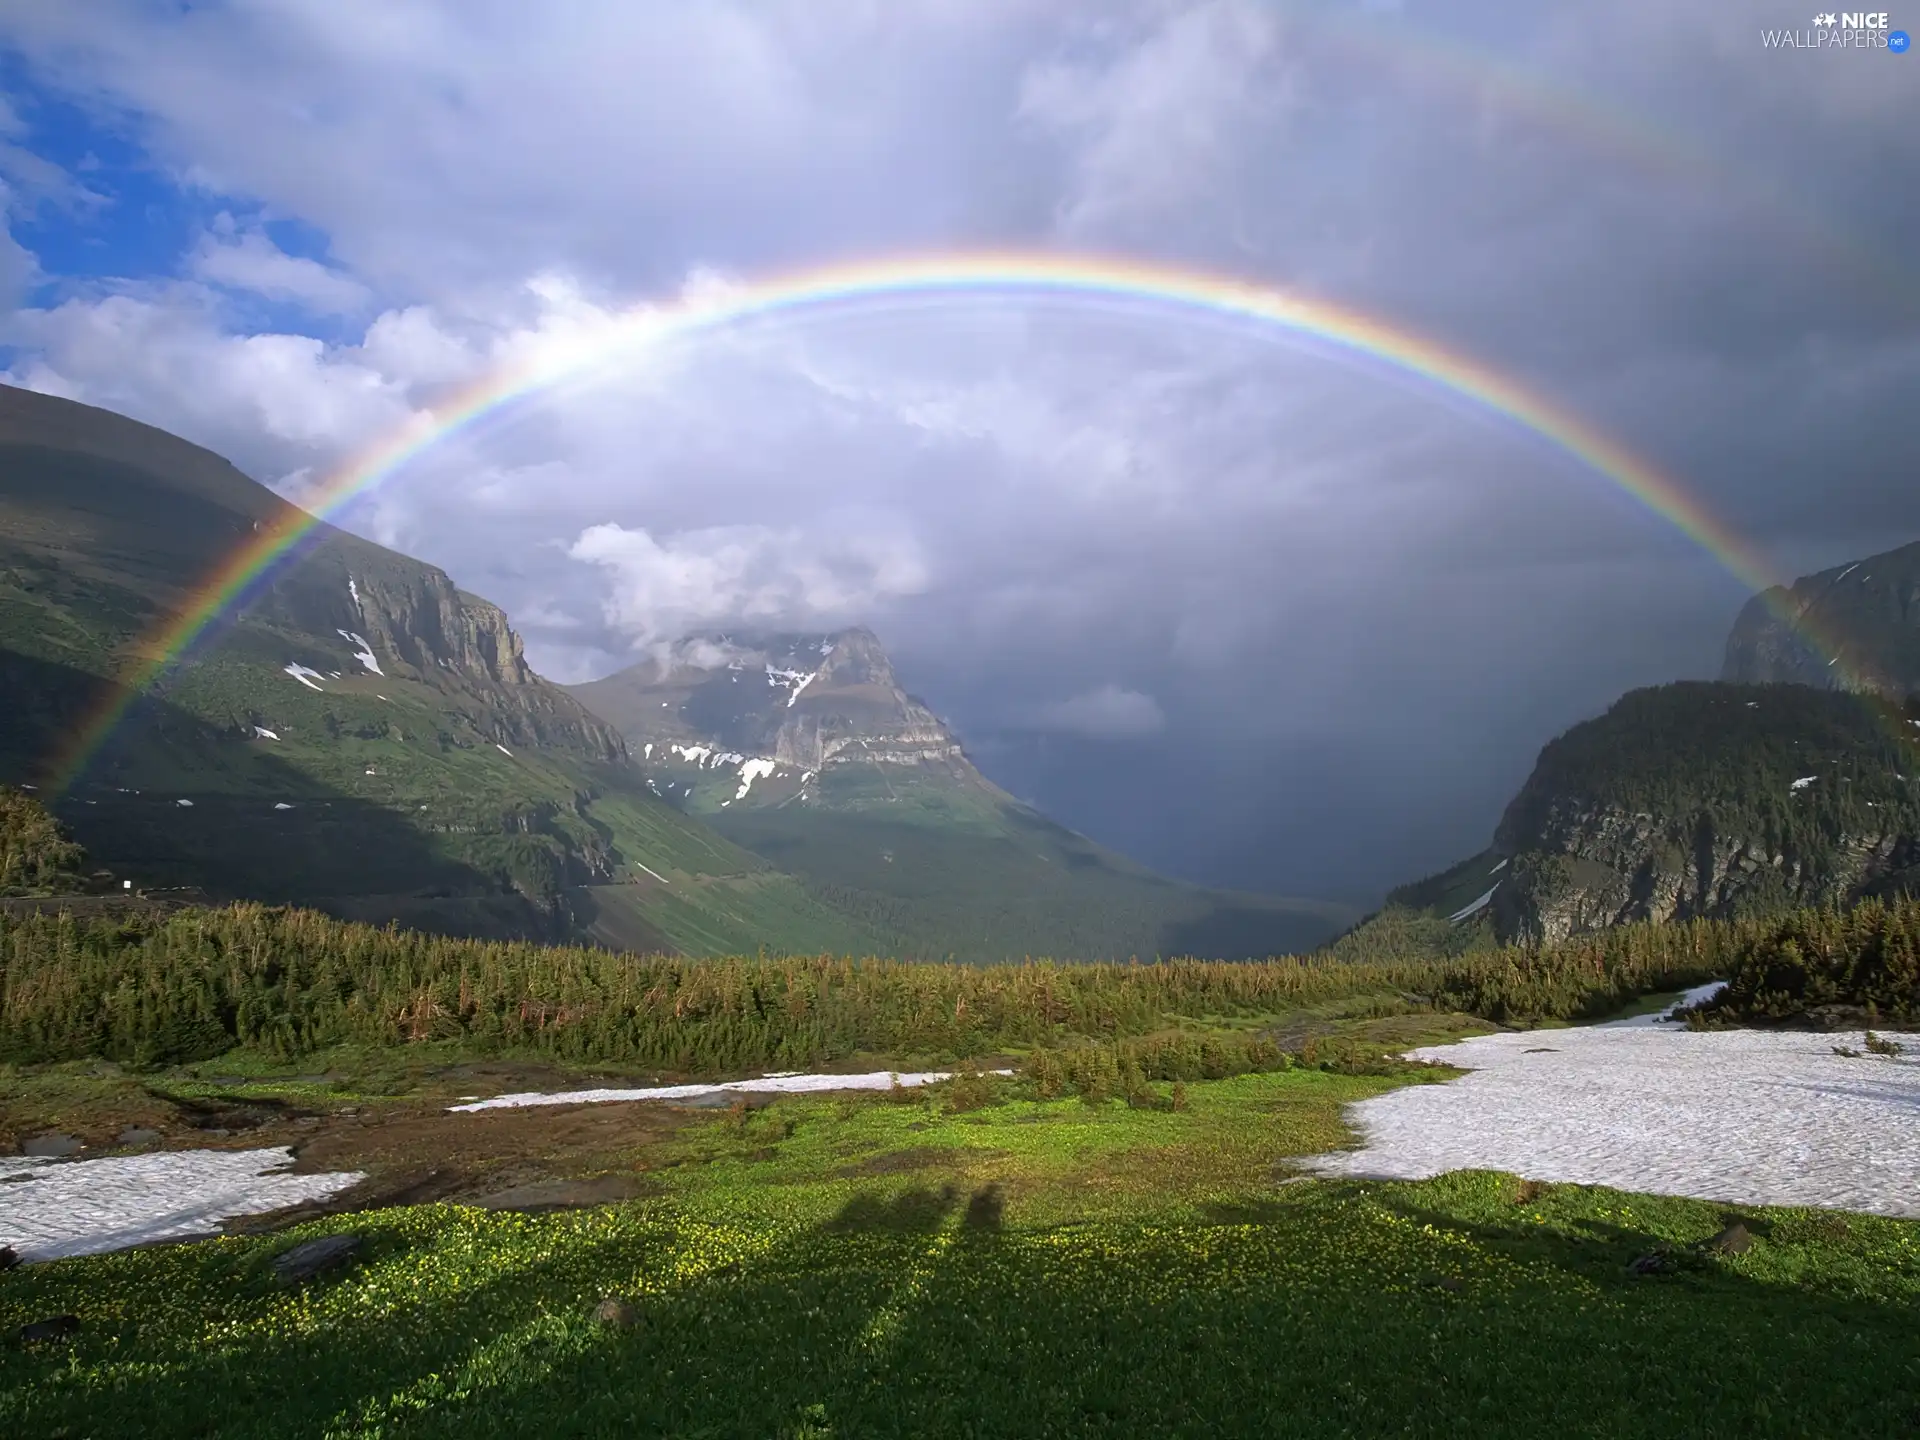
1246 613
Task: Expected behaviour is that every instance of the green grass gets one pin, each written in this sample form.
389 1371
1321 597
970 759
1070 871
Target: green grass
1031 1268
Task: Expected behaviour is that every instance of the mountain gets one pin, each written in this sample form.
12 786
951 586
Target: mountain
807 750
361 736
1870 607
1702 799
1791 781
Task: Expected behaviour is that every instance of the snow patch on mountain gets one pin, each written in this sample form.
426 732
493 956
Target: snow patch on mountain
798 679
306 677
365 653
749 772
262 733
1475 908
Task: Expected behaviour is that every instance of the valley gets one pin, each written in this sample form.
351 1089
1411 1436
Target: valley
805 750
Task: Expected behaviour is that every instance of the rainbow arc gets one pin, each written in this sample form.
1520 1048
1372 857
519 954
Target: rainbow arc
1090 279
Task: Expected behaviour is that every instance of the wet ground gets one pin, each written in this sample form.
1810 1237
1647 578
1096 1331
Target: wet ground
411 1149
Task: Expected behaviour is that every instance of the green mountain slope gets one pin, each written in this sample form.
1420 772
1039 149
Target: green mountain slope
363 736
806 750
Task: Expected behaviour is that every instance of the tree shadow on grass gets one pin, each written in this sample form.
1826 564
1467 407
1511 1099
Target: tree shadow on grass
1296 1319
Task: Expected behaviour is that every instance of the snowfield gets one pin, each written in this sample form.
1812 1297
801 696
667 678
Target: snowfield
784 1084
1748 1117
85 1207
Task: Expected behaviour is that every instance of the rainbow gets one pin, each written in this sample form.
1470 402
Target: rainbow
1041 275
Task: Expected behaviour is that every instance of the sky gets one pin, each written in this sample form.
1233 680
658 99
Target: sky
1252 611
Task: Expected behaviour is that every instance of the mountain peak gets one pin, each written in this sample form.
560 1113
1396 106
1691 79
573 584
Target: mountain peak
1869 609
789 706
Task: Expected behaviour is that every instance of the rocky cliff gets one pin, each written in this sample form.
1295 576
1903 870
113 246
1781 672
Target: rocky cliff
374 612
1867 611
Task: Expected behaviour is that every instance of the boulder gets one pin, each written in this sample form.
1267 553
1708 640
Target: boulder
617 1312
1736 1239
55 1327
310 1257
52 1146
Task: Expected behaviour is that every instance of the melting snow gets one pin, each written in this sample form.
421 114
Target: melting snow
85 1207
1475 908
365 653
187 803
799 679
503 749
826 647
301 673
354 591
647 750
751 771
653 872
1803 782
787 1084
282 805
695 754
1846 572
1746 1117
1497 869
261 732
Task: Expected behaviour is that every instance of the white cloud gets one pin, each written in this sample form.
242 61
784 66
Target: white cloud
1108 713
17 265
747 575
249 260
273 403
